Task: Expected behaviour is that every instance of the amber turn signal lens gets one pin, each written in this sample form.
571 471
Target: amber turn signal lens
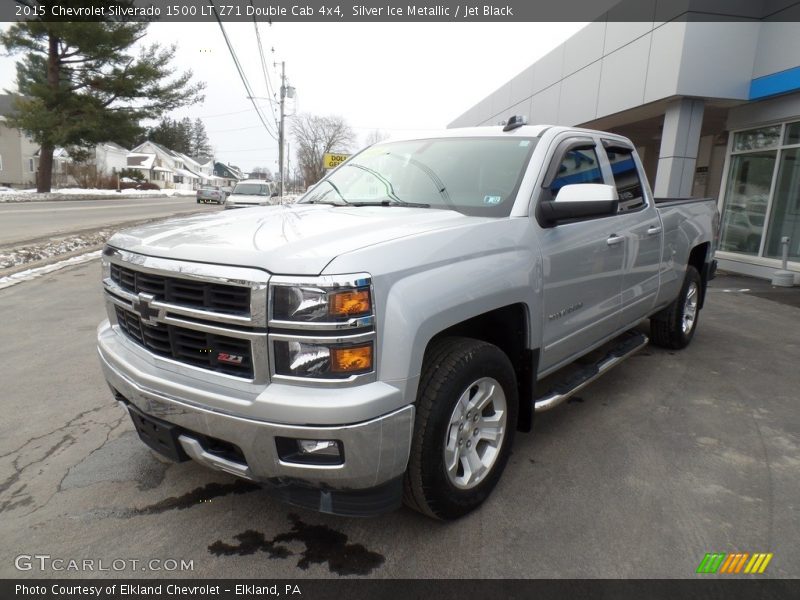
354 302
352 359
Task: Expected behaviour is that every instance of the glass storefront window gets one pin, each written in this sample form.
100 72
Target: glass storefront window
757 139
746 198
785 214
792 134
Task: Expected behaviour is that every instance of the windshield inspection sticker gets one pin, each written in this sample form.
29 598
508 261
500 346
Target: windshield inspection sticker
492 199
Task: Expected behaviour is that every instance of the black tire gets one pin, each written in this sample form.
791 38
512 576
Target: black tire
450 366
666 327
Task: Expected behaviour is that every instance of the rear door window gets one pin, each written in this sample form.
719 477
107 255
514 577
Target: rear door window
626 179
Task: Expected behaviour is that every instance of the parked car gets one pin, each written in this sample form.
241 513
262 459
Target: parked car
209 194
384 338
252 192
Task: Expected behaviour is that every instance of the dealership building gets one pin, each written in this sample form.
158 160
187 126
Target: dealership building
712 106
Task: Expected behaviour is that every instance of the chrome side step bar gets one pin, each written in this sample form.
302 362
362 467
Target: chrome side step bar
562 391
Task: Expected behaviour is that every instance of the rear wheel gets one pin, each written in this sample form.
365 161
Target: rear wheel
674 327
464 427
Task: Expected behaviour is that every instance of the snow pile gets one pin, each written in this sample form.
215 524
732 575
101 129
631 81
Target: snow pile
34 252
10 195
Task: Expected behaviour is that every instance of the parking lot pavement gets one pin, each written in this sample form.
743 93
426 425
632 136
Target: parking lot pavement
670 456
730 283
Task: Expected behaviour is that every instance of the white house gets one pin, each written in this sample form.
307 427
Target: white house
110 158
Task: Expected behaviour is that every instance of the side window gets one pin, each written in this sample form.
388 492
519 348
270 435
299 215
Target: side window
578 165
626 179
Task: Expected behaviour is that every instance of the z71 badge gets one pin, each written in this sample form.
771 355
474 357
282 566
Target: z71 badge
233 359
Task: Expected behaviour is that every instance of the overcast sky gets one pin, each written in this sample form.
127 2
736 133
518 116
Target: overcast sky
397 77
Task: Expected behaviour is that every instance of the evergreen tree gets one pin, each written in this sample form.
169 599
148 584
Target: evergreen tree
81 82
201 146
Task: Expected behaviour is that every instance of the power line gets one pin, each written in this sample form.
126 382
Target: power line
236 129
267 81
237 112
246 150
242 76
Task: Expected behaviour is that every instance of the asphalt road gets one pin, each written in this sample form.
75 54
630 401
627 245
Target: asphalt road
28 221
670 456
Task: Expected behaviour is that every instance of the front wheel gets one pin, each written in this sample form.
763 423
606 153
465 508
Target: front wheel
674 327
464 427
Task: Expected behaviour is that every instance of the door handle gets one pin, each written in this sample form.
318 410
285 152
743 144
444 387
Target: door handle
654 230
614 240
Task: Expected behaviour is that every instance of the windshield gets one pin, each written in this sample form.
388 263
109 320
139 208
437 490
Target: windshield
252 189
475 176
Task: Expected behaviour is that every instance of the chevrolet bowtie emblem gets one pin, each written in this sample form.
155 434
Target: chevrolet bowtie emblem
143 307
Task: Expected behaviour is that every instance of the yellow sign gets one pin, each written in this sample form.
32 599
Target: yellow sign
331 161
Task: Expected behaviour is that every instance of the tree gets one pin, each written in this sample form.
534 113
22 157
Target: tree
200 144
261 173
314 136
82 83
375 136
172 134
182 136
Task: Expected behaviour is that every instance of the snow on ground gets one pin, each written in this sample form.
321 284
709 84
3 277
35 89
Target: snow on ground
10 195
29 274
14 257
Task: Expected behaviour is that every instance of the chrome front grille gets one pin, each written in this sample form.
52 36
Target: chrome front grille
203 317
197 294
189 346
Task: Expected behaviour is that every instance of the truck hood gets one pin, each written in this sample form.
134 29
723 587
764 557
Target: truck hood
295 239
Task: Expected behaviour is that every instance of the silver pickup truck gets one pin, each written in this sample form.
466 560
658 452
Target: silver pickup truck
382 339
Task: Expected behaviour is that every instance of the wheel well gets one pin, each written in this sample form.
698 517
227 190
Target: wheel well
697 259
506 328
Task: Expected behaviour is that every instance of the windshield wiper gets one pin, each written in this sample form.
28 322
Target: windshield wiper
329 202
391 202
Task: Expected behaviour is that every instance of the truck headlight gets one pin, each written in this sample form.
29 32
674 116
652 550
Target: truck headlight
295 358
322 328
320 303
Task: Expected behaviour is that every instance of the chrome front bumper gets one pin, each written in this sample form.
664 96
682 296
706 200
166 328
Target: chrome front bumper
375 450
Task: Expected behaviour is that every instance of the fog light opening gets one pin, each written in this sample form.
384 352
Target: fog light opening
310 452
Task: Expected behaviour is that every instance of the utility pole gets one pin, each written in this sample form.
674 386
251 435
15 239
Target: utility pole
280 132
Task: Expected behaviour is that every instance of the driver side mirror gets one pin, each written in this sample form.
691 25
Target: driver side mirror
580 201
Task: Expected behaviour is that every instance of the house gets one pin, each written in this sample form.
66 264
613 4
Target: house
110 158
151 167
207 172
96 170
186 172
17 150
204 171
229 173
